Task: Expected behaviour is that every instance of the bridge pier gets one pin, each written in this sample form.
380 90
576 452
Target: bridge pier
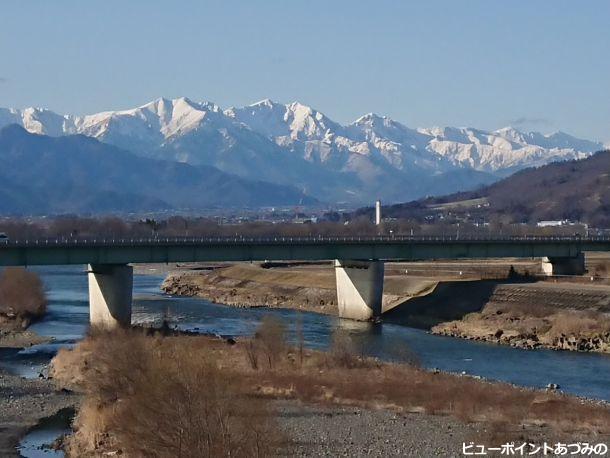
564 265
110 294
359 288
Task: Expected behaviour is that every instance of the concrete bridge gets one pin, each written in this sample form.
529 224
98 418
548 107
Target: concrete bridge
359 261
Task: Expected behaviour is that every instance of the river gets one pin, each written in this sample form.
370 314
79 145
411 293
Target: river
67 319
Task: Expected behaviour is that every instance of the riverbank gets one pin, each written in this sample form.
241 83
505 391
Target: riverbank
25 402
308 286
20 338
458 303
305 402
541 315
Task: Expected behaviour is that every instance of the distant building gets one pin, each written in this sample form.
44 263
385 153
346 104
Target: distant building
552 223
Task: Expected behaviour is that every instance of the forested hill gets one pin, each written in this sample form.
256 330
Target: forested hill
574 190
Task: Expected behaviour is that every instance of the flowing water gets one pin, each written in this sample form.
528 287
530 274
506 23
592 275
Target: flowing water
67 319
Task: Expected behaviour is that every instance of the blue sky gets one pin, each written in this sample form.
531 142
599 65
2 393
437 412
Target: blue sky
541 65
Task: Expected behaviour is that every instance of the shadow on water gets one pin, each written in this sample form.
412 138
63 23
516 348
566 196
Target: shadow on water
38 442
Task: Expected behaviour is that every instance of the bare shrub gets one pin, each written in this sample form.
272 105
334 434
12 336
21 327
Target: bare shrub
270 338
251 350
22 295
166 397
121 356
343 352
203 413
300 340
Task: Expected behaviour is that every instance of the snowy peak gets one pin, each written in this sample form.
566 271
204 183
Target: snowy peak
505 150
381 130
37 120
265 103
265 117
160 119
371 119
267 138
307 123
290 122
555 140
509 131
373 123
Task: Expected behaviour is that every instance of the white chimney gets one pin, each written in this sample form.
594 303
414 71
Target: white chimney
377 212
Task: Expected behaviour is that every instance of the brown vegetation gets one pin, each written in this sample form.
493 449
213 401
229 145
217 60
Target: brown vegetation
22 297
270 338
602 271
162 397
534 325
198 396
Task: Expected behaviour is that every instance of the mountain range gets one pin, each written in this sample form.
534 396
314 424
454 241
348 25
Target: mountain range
296 145
79 174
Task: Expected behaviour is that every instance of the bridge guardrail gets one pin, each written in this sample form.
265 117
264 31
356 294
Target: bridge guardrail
241 240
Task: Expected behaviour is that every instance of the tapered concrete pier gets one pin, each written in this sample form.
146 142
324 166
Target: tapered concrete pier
564 265
359 288
110 295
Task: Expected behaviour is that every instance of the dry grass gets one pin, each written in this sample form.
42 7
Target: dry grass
22 296
579 324
377 385
164 397
557 322
312 277
551 327
208 398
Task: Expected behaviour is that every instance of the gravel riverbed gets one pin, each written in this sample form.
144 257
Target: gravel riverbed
352 431
23 403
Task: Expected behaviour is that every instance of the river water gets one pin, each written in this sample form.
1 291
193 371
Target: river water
68 315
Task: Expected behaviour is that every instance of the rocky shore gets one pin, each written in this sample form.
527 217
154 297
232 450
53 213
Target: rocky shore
18 338
557 317
598 343
25 402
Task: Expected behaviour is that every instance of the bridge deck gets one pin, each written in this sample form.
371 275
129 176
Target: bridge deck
187 249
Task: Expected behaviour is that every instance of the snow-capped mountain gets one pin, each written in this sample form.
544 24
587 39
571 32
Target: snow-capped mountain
295 144
501 151
505 150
